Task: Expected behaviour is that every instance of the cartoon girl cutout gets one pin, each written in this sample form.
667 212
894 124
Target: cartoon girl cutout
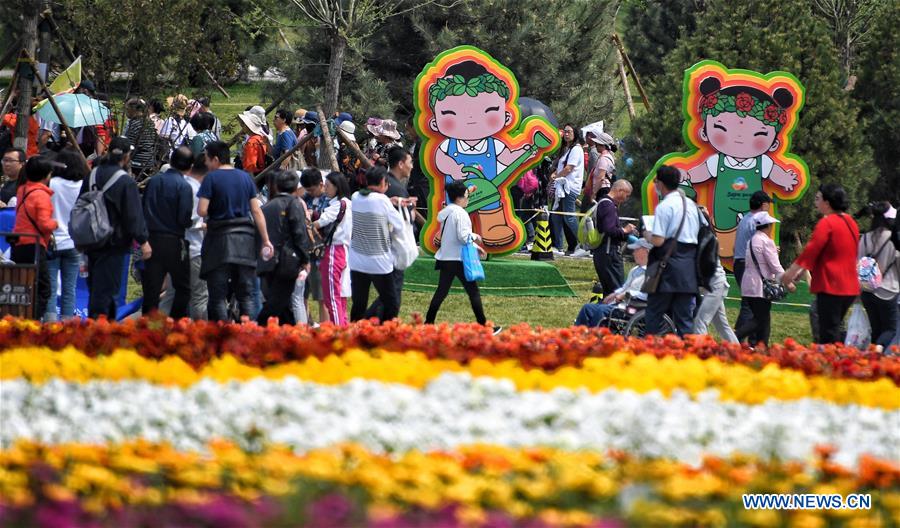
469 109
742 124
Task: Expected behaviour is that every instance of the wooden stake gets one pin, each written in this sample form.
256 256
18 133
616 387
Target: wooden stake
62 120
10 53
354 148
62 40
625 87
637 80
9 93
213 79
326 144
288 153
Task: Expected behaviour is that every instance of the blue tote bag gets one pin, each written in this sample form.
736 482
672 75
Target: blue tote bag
472 267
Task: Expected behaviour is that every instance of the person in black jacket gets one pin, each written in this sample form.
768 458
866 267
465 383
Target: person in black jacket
286 225
123 205
168 205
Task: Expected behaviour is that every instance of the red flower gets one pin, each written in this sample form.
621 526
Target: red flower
710 100
782 118
743 102
771 113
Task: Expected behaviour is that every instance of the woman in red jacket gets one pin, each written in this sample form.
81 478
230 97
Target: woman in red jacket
34 215
830 256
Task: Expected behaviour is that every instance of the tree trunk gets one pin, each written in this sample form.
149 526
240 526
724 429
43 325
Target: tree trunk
26 76
335 67
332 92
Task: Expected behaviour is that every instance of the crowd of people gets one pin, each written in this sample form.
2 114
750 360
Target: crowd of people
260 233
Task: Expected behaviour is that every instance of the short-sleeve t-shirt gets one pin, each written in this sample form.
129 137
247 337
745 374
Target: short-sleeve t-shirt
229 192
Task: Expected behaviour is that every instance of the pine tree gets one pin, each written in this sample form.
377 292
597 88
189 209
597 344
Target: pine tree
560 51
653 27
878 92
765 36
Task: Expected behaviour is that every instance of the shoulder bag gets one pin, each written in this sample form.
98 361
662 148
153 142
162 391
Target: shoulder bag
656 268
317 241
773 290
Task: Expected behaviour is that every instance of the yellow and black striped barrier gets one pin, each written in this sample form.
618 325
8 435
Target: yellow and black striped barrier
541 249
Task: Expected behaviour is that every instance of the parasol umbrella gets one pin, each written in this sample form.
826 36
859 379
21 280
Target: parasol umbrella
79 110
533 107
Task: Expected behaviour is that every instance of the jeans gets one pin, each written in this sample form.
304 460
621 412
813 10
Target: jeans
524 202
241 278
882 317
609 267
170 257
760 322
25 254
377 308
566 205
384 285
453 269
105 281
679 306
65 264
832 309
592 314
712 310
298 302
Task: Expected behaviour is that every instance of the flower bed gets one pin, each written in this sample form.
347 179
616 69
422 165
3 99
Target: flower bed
174 424
476 484
197 343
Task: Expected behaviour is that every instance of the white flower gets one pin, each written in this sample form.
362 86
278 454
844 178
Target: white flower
452 410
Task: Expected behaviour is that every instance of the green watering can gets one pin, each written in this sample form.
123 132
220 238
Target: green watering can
485 191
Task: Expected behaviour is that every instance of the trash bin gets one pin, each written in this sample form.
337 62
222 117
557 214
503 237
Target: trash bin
18 284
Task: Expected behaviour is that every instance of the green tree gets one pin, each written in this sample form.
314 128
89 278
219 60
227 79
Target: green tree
653 27
560 51
170 39
878 93
765 36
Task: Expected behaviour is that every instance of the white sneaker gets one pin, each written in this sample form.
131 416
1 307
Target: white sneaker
558 252
581 253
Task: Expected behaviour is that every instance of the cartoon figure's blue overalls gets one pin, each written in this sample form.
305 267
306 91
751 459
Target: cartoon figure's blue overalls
480 167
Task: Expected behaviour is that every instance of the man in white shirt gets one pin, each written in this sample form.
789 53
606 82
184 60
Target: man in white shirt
371 260
678 283
592 314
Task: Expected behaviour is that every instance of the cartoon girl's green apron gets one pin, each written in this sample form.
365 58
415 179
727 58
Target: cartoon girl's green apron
733 190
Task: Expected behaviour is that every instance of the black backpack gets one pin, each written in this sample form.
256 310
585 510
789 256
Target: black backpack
6 138
707 252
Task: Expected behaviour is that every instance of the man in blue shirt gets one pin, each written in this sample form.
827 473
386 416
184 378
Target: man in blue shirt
227 201
285 138
759 201
167 209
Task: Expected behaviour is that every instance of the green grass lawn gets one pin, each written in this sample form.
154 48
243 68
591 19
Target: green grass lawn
554 312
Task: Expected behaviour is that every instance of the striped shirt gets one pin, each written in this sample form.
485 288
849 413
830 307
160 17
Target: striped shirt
374 217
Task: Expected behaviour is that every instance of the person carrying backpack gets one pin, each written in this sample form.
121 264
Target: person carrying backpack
880 290
108 242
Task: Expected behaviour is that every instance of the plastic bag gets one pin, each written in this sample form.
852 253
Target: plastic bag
403 243
859 332
471 262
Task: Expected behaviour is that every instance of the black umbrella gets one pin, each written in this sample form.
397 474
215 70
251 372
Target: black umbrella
534 107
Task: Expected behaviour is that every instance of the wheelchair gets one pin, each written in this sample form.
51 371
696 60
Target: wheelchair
628 318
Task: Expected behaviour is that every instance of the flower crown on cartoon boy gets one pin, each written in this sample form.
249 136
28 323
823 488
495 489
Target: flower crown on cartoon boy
740 123
467 113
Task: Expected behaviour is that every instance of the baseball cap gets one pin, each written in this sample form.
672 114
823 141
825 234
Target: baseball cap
640 244
763 218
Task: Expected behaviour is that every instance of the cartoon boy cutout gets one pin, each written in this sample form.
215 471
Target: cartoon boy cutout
742 124
469 105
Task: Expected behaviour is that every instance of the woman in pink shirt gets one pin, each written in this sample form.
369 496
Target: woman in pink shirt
762 263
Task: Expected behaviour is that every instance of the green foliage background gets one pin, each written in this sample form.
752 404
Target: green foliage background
764 36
